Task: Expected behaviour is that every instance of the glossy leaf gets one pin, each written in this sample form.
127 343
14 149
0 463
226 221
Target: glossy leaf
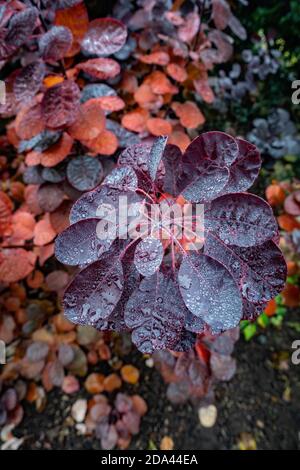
241 219
200 278
260 271
148 256
154 314
94 292
104 37
79 243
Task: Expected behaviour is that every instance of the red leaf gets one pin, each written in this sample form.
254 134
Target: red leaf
101 68
90 122
16 264
189 114
159 126
136 120
6 207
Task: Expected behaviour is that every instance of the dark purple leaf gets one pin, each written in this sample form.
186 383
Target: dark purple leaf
209 291
61 104
84 172
50 196
172 160
137 156
193 323
115 321
28 82
241 219
252 311
186 341
205 166
123 178
94 292
104 37
79 243
21 27
148 256
245 169
260 271
88 205
156 154
55 44
154 313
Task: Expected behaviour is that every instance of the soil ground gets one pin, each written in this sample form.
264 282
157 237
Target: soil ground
263 399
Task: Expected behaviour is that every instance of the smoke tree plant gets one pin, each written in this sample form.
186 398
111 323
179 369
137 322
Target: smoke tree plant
160 290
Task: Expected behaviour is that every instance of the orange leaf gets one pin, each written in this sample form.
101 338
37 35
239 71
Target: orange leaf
23 225
205 91
35 279
291 295
292 268
270 309
129 83
6 207
44 253
159 126
52 80
177 72
275 195
160 84
158 58
29 122
105 144
31 199
16 264
111 103
180 139
94 383
136 120
90 121
189 114
101 68
130 374
112 382
76 19
43 232
33 158
287 222
145 97
57 152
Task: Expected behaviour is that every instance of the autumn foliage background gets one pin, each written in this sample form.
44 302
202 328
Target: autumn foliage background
84 82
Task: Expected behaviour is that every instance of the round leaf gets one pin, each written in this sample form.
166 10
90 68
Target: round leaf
84 172
210 292
104 37
94 292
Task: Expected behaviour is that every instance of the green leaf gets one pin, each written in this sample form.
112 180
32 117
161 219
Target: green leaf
249 331
263 320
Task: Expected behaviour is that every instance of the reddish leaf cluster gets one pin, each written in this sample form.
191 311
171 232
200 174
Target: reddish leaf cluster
192 375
